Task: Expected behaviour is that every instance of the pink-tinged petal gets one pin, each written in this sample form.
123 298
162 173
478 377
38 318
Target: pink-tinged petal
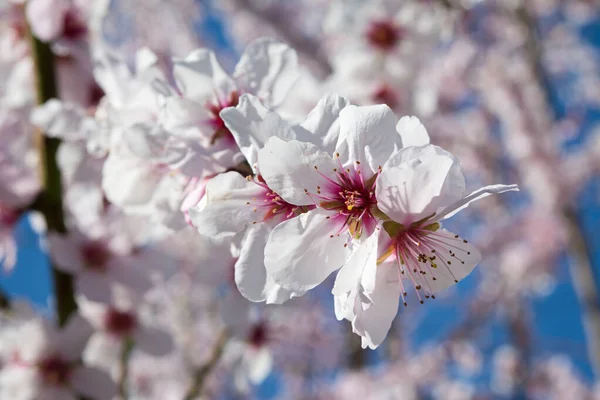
153 341
370 132
412 131
450 267
55 393
413 190
133 278
93 383
74 337
224 210
199 75
479 194
251 124
46 18
323 122
66 253
373 322
269 69
94 286
301 253
291 168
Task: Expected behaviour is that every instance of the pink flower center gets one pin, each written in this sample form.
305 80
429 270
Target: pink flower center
350 196
220 129
74 26
96 255
54 370
119 323
384 35
259 335
384 94
271 205
8 216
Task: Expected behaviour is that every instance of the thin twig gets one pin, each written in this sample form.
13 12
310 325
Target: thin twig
4 301
123 380
584 282
203 372
49 202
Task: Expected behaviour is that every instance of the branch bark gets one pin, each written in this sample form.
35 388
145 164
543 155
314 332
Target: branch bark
49 201
203 372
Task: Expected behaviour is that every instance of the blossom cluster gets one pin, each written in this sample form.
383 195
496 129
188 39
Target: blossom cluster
219 215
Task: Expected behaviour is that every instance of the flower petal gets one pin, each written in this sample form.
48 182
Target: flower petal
199 75
269 69
450 269
412 131
300 253
153 341
370 132
418 181
93 383
224 210
291 167
251 124
373 322
323 122
474 196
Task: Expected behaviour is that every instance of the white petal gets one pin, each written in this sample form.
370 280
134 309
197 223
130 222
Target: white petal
251 124
153 341
73 337
65 252
374 322
371 134
466 259
289 169
476 195
250 272
199 74
412 131
93 286
93 383
58 119
224 209
300 253
269 68
324 124
350 275
417 181
260 363
46 18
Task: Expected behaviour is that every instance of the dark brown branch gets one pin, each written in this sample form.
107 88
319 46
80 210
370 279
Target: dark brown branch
49 201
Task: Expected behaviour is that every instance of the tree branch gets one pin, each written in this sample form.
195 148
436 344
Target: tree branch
203 372
49 201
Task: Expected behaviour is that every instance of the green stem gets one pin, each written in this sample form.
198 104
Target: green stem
124 365
203 372
49 202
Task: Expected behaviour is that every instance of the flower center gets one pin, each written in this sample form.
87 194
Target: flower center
96 255
351 196
220 129
259 335
8 216
54 370
73 25
384 94
384 35
424 254
119 323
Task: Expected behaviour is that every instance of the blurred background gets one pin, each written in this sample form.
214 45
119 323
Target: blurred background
512 88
